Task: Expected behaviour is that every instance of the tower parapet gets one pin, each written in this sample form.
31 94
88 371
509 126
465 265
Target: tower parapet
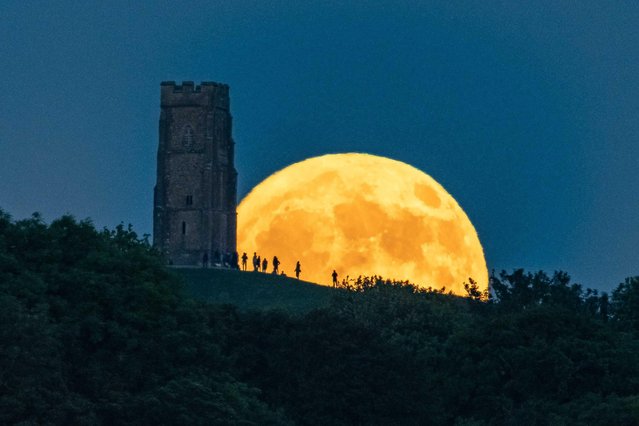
187 93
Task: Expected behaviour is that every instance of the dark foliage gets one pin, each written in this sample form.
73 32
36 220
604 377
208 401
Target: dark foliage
95 330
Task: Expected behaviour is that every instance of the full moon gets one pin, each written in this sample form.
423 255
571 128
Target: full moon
361 214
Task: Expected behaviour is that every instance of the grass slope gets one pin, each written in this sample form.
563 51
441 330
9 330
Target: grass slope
253 290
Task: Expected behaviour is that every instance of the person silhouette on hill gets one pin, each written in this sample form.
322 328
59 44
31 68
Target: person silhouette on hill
298 269
334 275
244 259
276 264
205 260
264 265
255 262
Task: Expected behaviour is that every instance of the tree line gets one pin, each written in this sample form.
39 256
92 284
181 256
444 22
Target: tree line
95 330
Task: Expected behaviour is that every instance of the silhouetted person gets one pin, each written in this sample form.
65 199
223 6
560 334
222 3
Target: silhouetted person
264 265
276 264
259 263
235 261
334 275
256 262
244 259
298 269
205 260
217 258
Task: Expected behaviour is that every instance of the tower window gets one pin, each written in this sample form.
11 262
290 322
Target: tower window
188 137
183 228
189 200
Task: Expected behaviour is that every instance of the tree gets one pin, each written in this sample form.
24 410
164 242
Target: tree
625 303
93 325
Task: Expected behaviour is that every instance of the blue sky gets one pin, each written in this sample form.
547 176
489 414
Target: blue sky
526 112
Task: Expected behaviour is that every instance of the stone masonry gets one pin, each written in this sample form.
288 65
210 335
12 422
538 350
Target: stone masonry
194 211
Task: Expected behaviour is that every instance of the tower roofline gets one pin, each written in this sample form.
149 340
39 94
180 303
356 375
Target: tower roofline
190 86
188 93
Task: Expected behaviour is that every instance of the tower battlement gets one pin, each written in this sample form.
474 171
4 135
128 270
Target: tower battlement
207 93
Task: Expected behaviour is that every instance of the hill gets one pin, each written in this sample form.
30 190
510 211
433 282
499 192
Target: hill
253 290
94 329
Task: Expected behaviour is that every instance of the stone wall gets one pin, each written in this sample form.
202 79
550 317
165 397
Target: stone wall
195 194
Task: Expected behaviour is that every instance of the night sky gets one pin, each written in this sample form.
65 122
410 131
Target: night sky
527 114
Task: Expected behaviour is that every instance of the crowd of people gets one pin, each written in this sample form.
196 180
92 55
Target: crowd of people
232 261
260 264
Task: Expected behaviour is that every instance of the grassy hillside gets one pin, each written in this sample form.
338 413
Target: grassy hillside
253 290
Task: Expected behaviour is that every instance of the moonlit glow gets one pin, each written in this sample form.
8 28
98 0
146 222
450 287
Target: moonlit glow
361 214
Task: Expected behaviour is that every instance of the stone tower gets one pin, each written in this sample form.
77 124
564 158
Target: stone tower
194 209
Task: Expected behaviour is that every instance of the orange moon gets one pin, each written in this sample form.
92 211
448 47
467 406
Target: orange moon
361 214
